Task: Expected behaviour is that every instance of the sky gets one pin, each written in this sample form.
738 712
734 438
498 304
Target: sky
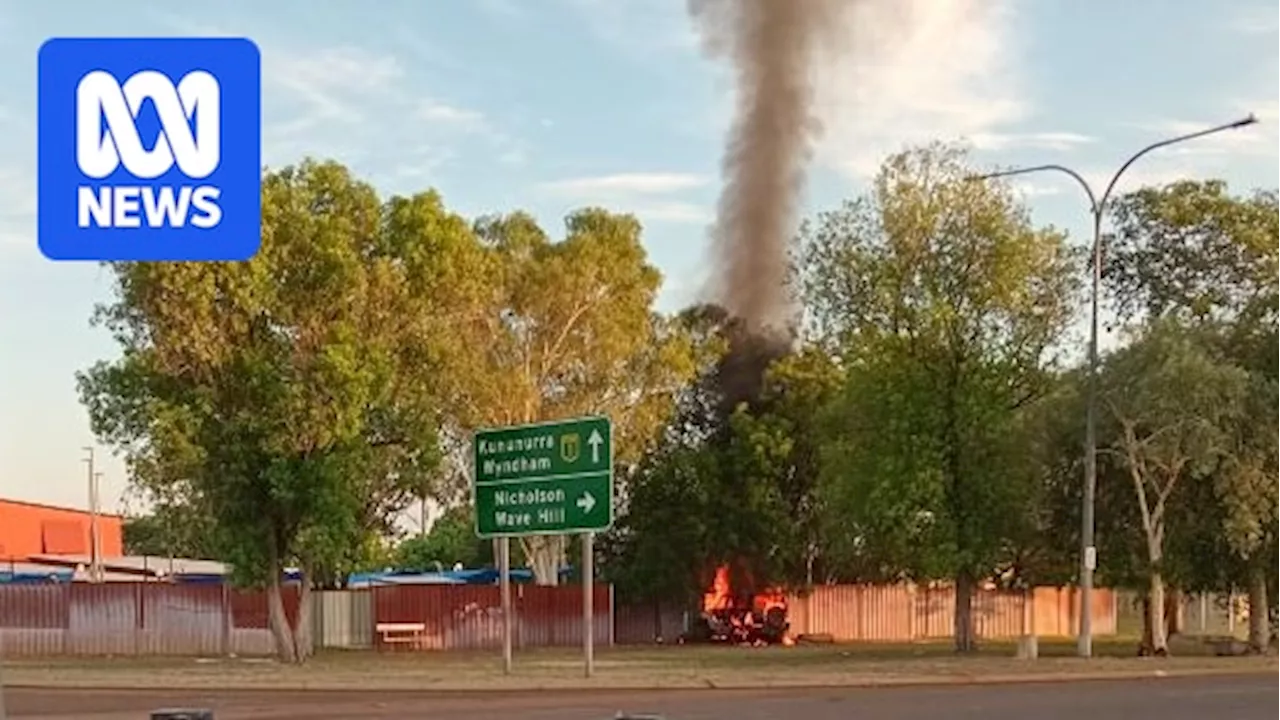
550 105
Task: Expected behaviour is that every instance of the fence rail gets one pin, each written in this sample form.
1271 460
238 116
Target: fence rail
168 619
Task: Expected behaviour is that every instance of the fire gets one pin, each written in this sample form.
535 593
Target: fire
758 619
721 596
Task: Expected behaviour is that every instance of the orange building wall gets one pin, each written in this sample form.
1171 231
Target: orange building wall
31 529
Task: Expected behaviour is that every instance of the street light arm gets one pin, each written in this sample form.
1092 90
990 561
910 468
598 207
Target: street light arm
1093 202
1106 195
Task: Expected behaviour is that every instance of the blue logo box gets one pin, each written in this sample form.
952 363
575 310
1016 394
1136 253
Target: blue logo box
149 149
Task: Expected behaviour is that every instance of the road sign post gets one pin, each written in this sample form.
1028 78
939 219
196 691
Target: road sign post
588 604
551 478
504 587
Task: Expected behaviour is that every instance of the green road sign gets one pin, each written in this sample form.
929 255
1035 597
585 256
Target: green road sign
546 479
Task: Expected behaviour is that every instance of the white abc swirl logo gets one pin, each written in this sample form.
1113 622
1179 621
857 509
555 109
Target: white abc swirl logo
99 96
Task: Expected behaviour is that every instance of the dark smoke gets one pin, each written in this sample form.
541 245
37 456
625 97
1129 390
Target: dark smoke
772 46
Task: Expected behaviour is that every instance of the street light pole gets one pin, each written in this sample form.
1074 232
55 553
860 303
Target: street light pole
1097 208
93 516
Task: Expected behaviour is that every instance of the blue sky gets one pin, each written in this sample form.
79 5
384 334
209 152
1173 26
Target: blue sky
552 104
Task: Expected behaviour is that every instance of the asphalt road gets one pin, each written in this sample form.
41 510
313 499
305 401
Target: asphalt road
1219 698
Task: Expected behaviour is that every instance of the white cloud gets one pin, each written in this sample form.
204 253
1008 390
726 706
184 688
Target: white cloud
1033 188
652 197
344 87
1255 20
625 184
918 70
324 97
445 114
1055 141
1257 141
335 83
674 212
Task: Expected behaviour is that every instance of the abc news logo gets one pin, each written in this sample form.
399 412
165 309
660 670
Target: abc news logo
149 149
107 137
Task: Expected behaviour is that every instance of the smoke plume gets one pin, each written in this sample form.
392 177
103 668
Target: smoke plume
771 45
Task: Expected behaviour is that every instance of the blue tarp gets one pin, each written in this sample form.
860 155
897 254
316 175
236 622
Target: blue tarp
215 579
477 576
36 577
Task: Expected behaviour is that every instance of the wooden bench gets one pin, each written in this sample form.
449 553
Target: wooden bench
393 633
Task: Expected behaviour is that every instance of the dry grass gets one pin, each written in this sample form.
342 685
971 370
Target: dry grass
631 667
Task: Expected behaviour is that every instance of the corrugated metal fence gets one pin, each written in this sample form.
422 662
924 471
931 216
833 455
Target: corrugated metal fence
896 613
470 616
135 619
164 619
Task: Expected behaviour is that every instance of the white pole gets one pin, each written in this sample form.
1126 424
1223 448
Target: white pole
504 582
588 603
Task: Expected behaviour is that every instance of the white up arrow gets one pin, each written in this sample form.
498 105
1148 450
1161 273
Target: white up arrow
586 502
595 441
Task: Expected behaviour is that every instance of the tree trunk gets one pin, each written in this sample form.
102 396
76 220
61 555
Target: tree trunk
276 617
303 635
1259 616
544 553
1158 644
966 640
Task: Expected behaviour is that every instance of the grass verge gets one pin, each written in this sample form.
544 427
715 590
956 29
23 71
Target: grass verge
630 667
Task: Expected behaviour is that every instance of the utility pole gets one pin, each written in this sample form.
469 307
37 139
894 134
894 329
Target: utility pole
93 516
95 527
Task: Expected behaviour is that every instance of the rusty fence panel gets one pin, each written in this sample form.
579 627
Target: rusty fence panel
182 620
648 622
33 619
469 617
552 616
143 618
454 616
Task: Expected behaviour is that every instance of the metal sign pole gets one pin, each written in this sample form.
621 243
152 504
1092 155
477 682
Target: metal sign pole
504 582
588 602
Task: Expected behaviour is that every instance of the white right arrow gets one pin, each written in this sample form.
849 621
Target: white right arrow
595 441
586 502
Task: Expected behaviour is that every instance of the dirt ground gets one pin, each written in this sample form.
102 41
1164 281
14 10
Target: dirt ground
619 668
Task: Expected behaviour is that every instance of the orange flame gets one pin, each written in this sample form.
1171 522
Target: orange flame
721 595
722 599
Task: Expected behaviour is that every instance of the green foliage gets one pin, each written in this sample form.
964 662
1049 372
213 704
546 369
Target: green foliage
1192 252
1169 403
288 397
1191 249
726 486
565 328
178 531
945 304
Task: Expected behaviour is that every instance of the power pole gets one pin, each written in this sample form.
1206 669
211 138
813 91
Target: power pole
95 529
93 516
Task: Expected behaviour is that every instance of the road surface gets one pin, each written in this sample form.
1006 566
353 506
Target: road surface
1219 698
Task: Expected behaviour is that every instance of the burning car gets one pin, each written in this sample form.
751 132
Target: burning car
740 618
